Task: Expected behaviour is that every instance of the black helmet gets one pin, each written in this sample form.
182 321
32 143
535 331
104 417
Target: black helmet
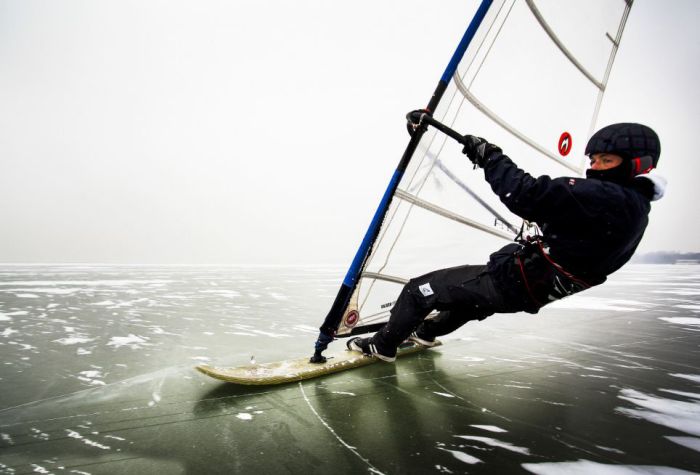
635 142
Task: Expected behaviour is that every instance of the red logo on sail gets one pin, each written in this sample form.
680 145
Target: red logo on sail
565 144
351 319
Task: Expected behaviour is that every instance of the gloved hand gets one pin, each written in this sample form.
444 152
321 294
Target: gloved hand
478 150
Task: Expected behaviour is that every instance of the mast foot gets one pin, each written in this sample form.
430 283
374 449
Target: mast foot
318 358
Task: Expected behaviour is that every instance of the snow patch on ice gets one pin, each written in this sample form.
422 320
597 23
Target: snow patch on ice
685 292
682 393
682 320
43 290
76 435
134 342
155 399
74 339
586 467
599 303
6 317
471 359
462 457
496 443
115 282
244 416
489 428
91 377
679 415
694 308
691 377
443 394
692 443
222 293
7 332
610 449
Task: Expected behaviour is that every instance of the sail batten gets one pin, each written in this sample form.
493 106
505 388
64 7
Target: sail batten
450 215
388 278
560 45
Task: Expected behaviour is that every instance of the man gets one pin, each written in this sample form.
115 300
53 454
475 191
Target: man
590 227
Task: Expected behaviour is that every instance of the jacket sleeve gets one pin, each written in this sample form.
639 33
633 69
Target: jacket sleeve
534 199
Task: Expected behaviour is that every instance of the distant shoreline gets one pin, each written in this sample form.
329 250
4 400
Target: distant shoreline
667 257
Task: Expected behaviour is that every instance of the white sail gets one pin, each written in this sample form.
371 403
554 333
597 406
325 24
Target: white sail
531 81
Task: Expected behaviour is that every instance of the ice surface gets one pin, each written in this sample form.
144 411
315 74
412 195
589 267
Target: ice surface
117 347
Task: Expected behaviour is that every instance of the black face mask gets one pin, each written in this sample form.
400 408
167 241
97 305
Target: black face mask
621 174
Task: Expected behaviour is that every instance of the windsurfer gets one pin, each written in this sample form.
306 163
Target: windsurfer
589 227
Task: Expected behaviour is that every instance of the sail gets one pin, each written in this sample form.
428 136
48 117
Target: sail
529 76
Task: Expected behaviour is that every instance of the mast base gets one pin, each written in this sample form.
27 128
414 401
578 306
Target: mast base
318 358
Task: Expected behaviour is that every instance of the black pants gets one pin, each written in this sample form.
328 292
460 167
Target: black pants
460 294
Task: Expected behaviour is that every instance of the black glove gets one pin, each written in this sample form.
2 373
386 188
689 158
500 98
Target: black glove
478 150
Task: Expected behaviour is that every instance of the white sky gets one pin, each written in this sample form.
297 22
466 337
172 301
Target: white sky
226 132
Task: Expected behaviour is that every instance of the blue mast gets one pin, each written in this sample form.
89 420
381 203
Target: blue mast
335 314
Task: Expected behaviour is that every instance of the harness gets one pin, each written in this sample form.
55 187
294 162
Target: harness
544 279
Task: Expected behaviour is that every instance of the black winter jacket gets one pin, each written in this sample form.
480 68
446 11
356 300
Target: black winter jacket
591 227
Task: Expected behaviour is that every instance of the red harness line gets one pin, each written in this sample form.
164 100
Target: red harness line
555 265
527 285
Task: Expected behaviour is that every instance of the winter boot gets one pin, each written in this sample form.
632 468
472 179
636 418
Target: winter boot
367 347
421 338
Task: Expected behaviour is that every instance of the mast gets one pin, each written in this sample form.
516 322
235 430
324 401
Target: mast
342 299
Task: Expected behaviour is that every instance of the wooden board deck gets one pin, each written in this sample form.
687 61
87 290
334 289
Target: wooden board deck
298 369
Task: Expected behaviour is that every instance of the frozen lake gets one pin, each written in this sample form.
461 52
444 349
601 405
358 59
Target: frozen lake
97 378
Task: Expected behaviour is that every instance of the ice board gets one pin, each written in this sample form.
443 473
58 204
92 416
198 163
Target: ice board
299 369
